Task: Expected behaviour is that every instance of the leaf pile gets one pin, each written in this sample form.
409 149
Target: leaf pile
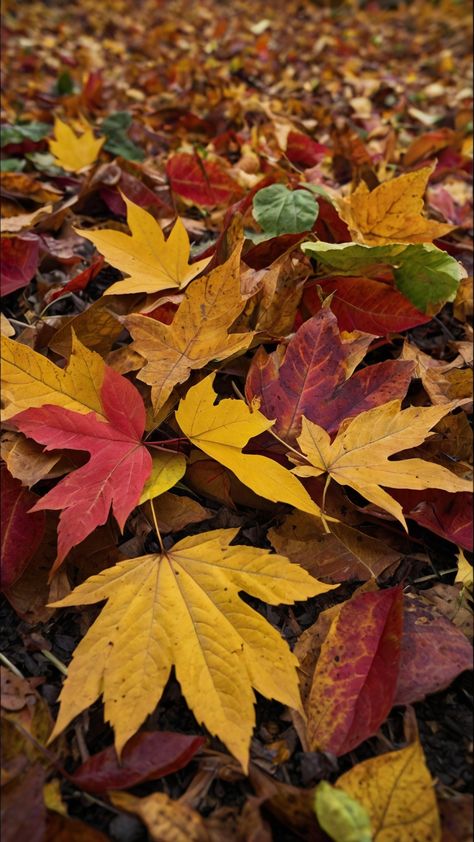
236 453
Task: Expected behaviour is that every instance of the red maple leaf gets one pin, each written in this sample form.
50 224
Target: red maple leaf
115 474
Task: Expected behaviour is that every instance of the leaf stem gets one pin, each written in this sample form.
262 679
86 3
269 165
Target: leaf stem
288 446
323 504
157 528
57 663
4 660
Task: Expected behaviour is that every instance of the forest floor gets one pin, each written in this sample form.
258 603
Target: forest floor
294 92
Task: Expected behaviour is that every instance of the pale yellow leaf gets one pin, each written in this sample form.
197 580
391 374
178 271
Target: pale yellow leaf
392 213
340 815
166 820
152 262
183 609
73 152
6 329
464 574
397 791
222 431
29 379
359 455
197 334
167 470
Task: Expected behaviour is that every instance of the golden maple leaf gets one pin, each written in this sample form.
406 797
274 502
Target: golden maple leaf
359 455
29 379
222 431
392 213
197 334
398 793
182 608
73 152
152 262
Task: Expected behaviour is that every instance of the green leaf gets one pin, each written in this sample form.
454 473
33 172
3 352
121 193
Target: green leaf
44 162
423 273
119 121
281 211
25 131
64 84
115 128
12 165
342 817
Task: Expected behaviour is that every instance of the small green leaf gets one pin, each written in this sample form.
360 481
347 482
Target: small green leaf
342 817
281 211
423 273
64 84
115 128
44 162
12 165
24 131
167 470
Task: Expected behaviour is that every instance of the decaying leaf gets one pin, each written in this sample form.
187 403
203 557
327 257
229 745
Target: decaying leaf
152 262
356 674
397 791
185 611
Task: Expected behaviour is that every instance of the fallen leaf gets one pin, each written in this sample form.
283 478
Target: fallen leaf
425 275
66 829
152 262
433 652
385 309
205 183
392 213
147 756
344 555
166 470
22 530
31 380
359 455
185 611
340 815
17 223
198 333
173 513
356 673
398 793
20 258
279 210
312 381
445 514
73 152
23 810
117 470
222 431
164 817
27 460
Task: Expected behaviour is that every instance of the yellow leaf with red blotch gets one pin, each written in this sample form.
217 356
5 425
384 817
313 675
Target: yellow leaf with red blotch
29 379
398 793
73 152
198 333
182 608
359 455
392 213
152 262
222 431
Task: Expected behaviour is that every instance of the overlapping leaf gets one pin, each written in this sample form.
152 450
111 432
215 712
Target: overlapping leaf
222 431
392 213
198 333
183 608
152 262
117 470
360 454
74 152
312 380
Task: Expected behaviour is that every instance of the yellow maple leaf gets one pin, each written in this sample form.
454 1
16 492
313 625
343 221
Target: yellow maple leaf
197 334
73 152
392 213
398 793
152 262
222 431
359 455
29 379
182 608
